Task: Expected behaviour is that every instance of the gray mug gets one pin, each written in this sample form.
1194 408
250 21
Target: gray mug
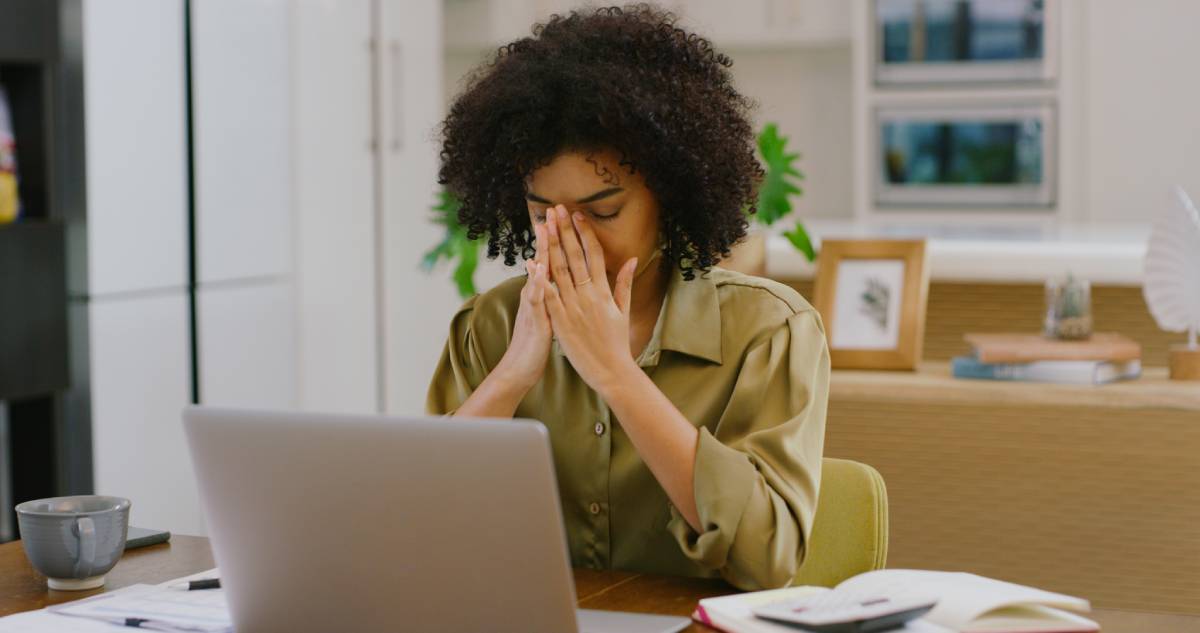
74 541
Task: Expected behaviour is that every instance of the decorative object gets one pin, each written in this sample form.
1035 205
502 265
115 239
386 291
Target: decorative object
960 41
1172 284
965 156
872 295
1068 308
10 201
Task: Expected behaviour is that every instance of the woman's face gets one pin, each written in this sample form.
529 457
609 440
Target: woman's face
620 207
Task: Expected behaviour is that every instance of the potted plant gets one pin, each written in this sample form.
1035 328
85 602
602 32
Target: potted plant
780 184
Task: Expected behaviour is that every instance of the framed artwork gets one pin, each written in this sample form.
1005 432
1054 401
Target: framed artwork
965 155
964 41
871 295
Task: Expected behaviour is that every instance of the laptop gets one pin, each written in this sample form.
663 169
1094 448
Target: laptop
374 523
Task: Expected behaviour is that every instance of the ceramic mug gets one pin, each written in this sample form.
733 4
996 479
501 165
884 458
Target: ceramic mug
74 541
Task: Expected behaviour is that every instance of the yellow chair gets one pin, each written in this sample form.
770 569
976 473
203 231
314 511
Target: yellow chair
850 530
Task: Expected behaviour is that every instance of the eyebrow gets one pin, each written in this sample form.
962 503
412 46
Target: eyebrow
533 197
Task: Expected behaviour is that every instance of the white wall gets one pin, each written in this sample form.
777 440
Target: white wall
807 92
1142 106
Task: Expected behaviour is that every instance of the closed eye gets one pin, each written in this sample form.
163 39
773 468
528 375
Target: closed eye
605 218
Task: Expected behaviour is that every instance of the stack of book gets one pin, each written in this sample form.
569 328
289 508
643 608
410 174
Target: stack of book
1103 358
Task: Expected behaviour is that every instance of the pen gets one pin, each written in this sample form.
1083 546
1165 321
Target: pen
192 585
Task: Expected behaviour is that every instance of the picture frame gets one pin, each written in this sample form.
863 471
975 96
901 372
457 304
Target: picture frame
966 155
931 42
872 295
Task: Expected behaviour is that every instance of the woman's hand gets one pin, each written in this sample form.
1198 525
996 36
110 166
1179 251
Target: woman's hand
590 319
525 360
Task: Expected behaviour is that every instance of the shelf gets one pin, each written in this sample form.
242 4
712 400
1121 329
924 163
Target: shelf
932 383
29 30
33 310
1102 254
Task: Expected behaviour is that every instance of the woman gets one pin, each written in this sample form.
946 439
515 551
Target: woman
685 403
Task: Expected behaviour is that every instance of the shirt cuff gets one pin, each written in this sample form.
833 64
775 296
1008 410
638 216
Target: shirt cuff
723 482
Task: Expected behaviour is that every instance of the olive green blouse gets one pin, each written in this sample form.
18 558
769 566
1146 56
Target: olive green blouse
745 360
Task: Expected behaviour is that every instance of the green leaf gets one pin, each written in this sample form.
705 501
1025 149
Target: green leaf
464 274
798 236
455 246
780 183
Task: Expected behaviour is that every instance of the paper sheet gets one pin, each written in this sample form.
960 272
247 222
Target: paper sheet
206 607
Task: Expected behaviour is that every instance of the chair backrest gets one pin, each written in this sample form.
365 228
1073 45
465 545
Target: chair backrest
850 530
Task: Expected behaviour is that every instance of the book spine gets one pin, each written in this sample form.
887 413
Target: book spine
968 367
1062 372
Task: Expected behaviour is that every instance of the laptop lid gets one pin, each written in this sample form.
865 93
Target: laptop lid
326 522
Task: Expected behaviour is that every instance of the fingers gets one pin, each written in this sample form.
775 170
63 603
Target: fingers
539 292
533 291
570 244
592 250
559 268
624 285
541 252
551 298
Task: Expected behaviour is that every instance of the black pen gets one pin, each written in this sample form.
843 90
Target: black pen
206 583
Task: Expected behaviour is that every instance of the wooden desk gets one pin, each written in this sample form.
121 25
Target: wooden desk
22 589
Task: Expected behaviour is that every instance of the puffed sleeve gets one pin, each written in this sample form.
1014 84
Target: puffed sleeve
461 368
758 472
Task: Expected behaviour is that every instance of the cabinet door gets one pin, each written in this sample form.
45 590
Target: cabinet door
140 375
241 124
335 206
418 305
134 118
247 346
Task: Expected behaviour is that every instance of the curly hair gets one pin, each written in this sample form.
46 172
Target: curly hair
621 78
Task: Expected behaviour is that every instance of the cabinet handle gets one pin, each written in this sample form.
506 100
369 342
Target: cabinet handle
397 142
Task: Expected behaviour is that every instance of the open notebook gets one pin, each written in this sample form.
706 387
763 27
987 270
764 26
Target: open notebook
966 603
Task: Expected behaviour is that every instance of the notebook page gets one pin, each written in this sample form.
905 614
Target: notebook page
43 621
204 610
735 613
962 597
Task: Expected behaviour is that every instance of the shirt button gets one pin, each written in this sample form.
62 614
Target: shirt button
599 428
594 508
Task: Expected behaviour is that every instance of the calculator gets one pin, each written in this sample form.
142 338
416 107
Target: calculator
845 612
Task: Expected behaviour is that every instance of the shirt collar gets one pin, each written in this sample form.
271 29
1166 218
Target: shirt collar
689 321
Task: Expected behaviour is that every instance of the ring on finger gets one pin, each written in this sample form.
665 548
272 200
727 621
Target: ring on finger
584 282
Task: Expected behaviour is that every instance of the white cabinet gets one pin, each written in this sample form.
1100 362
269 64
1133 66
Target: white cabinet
139 386
247 346
135 144
418 306
139 331
335 194
241 130
241 91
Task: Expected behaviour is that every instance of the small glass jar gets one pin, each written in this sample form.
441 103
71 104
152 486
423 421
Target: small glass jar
1068 308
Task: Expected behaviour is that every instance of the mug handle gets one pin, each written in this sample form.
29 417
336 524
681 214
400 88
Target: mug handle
86 529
